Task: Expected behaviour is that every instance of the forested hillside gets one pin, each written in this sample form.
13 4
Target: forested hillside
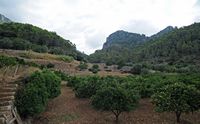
25 37
119 46
180 46
171 50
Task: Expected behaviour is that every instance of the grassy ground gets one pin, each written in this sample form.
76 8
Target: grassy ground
67 109
63 63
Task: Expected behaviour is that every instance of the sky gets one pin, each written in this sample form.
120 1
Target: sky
87 23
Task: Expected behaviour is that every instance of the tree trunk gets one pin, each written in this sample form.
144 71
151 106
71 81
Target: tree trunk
117 118
178 115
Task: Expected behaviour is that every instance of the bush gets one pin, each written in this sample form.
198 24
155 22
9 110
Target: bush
177 98
53 83
7 61
50 65
73 81
83 66
94 69
31 99
87 87
136 69
65 58
40 49
62 75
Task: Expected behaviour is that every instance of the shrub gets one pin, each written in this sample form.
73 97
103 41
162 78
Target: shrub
73 81
62 75
87 87
52 82
39 49
65 58
50 65
177 98
31 99
83 66
7 61
94 69
136 69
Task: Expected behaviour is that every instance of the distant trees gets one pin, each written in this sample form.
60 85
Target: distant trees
177 98
175 47
25 36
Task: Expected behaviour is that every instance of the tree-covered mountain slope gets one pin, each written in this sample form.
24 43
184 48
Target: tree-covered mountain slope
119 46
179 46
124 39
20 36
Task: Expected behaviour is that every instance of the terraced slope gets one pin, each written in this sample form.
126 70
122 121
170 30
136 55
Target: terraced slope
8 88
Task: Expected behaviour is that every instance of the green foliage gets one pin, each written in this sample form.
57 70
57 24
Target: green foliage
65 58
83 66
25 36
62 75
6 61
144 86
136 69
87 87
162 51
73 81
177 98
116 99
52 82
94 69
50 65
39 48
31 99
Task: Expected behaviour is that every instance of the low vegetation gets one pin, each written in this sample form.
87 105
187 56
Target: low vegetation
95 69
32 98
124 92
83 66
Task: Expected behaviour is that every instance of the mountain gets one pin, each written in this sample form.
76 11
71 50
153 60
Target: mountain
170 50
119 46
20 36
180 46
162 32
4 19
124 38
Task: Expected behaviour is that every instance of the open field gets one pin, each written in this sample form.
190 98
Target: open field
67 109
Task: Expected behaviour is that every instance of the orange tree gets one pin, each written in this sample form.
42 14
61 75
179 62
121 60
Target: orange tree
177 98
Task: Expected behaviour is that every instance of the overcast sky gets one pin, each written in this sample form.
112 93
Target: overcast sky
87 23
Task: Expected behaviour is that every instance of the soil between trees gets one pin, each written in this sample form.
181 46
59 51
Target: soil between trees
67 109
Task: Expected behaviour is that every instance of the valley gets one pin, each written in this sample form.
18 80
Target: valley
134 78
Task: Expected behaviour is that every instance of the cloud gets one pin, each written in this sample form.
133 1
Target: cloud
140 26
87 23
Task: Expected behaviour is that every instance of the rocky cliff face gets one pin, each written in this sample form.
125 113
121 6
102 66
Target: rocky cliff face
4 19
124 38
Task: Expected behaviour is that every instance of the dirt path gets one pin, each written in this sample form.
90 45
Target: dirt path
67 109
